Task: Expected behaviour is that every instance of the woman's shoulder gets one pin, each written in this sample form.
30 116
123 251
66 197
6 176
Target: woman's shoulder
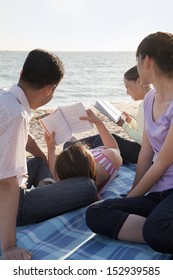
150 94
149 97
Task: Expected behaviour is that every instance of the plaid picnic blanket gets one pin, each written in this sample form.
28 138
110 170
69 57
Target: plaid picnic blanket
67 236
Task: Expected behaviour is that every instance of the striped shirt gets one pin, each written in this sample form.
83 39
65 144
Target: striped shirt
103 160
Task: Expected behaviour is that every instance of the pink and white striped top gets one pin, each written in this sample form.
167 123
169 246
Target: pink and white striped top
103 160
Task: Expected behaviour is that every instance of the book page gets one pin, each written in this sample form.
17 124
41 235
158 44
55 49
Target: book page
72 113
108 110
56 122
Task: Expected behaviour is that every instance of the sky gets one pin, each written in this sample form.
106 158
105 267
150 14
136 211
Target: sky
81 25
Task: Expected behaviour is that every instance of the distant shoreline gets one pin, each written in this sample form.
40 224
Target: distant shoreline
68 51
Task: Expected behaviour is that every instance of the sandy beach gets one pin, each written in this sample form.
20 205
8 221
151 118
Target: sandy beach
38 132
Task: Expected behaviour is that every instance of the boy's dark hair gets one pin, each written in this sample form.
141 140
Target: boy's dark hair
42 68
132 74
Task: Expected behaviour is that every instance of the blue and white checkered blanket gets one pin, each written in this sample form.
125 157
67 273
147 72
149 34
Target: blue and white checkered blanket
68 237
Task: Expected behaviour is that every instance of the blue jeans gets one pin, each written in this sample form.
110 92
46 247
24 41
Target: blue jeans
107 217
45 202
37 171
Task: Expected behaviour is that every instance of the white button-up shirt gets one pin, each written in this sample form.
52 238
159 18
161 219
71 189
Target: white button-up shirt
15 114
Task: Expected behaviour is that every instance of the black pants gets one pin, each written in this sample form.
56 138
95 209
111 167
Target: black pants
106 217
129 149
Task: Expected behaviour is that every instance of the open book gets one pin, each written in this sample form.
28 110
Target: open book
65 121
107 109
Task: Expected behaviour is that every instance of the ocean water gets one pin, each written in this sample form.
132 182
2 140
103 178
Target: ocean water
89 76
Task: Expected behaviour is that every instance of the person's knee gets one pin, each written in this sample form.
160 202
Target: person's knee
157 233
93 217
87 190
36 161
93 191
103 219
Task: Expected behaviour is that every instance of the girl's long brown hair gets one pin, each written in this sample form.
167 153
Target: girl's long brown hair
75 161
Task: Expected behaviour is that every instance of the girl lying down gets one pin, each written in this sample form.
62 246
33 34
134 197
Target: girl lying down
100 164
